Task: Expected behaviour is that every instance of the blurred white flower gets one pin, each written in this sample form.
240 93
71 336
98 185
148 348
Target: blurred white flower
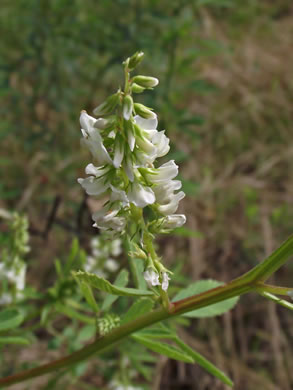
111 265
151 277
14 277
165 281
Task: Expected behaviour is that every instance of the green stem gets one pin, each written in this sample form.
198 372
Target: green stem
100 345
242 285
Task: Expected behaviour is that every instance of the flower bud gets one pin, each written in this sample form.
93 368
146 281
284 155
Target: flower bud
174 221
101 123
135 88
145 81
137 253
127 107
135 60
151 277
144 111
108 105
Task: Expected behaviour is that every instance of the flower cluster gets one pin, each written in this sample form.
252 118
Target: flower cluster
102 260
12 266
125 142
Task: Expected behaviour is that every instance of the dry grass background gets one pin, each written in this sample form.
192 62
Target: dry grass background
244 164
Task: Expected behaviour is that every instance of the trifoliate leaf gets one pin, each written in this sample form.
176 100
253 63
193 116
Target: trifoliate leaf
103 285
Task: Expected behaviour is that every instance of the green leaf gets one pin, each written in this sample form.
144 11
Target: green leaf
71 313
14 340
203 362
88 294
141 306
120 281
163 349
87 332
72 256
103 285
10 318
209 311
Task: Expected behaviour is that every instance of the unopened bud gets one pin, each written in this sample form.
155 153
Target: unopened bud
127 107
146 81
144 111
135 88
174 221
101 123
108 105
135 60
137 253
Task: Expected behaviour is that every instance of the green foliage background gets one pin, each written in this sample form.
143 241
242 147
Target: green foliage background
225 99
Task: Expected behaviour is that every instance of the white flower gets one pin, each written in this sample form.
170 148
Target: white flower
116 249
165 172
164 190
149 131
161 142
108 219
171 206
93 140
151 277
14 276
140 195
96 184
146 124
130 139
146 146
165 281
111 265
174 221
118 195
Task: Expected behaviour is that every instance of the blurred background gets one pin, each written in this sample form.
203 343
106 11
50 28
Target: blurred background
225 100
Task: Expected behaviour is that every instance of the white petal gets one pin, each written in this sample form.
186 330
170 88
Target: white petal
118 195
147 124
131 139
161 141
93 186
171 207
108 220
118 153
86 121
164 173
151 277
93 140
146 145
165 281
95 171
140 196
174 221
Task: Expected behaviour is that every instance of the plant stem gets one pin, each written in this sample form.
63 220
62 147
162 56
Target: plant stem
242 285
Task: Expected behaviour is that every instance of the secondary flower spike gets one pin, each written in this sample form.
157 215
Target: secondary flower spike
125 145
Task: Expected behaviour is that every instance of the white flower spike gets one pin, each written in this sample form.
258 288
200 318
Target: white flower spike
125 143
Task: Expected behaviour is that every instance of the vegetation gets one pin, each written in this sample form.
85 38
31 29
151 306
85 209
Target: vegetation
225 100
